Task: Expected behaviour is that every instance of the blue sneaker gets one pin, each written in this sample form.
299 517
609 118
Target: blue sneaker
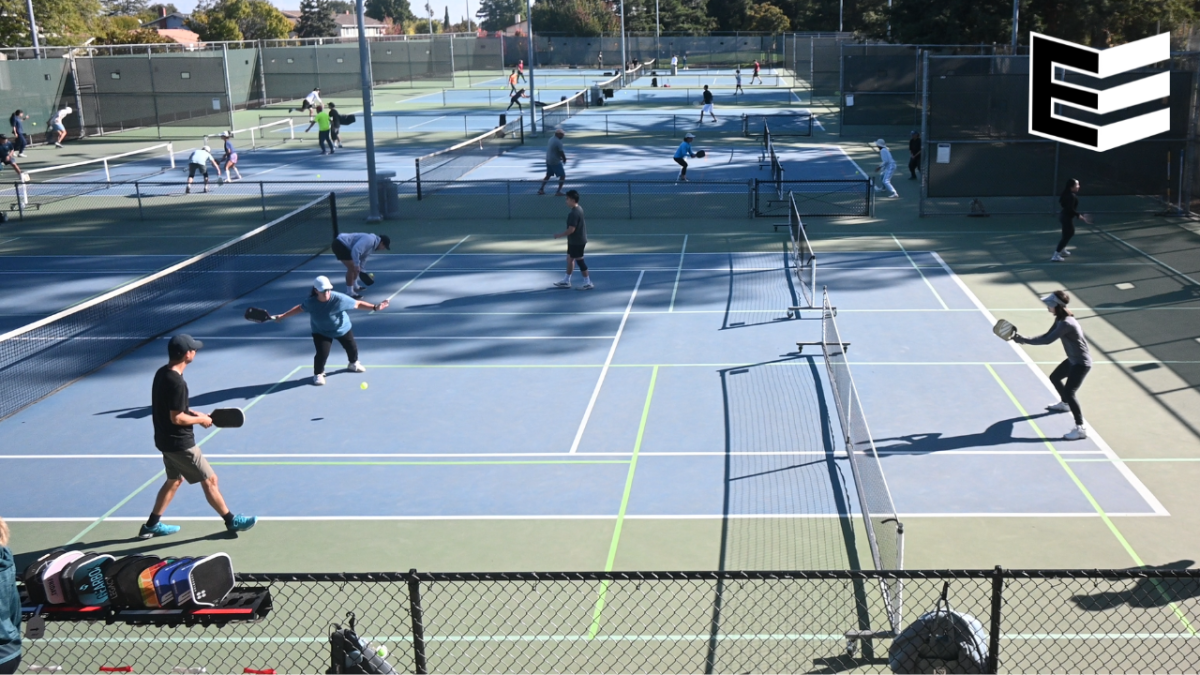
159 530
241 523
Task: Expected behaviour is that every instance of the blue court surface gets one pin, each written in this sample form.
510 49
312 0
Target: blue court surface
492 394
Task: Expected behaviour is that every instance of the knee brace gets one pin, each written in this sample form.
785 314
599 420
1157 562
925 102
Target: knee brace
582 265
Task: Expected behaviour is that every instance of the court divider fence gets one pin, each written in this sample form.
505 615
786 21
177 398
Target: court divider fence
158 201
999 621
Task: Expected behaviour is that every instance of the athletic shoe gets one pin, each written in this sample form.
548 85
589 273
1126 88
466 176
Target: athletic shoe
159 530
319 380
1057 257
324 153
541 192
357 296
894 196
1059 407
241 523
20 154
587 286
356 367
1078 433
683 179
1066 253
562 284
58 145
187 190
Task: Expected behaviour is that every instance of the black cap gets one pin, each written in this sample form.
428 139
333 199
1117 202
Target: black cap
182 344
386 241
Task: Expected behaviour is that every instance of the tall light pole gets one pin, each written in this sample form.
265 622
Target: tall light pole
657 33
430 11
841 13
364 67
532 91
624 56
33 30
1016 16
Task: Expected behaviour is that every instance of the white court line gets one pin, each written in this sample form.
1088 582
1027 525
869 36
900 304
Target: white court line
678 272
420 337
840 454
1156 260
860 170
923 277
429 267
1094 435
424 123
8 240
587 414
698 516
417 98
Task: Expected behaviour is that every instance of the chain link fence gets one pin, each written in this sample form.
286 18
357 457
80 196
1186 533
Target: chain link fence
1119 621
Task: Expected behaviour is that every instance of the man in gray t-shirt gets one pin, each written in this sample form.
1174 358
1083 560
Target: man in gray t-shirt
576 234
554 163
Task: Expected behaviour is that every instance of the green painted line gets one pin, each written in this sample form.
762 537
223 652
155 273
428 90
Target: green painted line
1141 459
162 473
616 538
415 463
1112 527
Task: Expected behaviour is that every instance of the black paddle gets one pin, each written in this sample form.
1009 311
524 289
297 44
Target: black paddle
228 418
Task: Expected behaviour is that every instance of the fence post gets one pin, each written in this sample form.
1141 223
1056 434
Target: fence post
138 189
262 199
418 624
629 194
333 217
17 187
993 662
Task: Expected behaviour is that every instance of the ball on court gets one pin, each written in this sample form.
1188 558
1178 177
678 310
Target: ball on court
363 385
381 652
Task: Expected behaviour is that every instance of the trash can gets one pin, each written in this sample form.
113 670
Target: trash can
389 194
608 93
674 70
654 82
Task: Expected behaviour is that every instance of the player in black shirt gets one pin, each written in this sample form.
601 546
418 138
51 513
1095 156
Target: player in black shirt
708 105
173 437
914 154
576 234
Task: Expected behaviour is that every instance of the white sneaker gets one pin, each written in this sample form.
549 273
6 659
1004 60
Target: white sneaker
356 367
587 286
1078 433
1065 253
562 284
1059 407
1057 257
20 154
319 380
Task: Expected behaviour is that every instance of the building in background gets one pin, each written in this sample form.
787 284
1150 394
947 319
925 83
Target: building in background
174 21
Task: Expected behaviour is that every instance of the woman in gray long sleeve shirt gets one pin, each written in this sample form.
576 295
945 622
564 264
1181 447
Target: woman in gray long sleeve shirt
1069 374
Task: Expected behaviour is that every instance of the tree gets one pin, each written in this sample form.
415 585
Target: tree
582 18
316 20
152 12
399 11
730 14
496 15
115 35
123 7
674 16
342 7
421 27
60 22
446 20
218 20
766 18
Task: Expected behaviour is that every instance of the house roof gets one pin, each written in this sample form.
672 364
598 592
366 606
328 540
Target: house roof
349 19
158 19
180 35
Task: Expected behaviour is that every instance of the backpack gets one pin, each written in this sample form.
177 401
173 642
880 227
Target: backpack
941 641
349 653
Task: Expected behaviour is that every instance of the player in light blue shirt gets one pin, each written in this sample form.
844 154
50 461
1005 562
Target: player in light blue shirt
352 249
684 150
329 318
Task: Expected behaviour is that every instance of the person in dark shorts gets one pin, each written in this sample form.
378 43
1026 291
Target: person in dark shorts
17 122
8 154
10 607
756 76
515 99
684 150
555 157
1068 376
914 154
329 319
335 125
173 436
198 162
1069 200
576 234
353 249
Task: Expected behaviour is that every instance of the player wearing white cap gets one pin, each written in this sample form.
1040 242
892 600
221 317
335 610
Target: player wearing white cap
887 166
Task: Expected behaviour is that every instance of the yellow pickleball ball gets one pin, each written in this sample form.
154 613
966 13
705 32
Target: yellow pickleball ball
363 385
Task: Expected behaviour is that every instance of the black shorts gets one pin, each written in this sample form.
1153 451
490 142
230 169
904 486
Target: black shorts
341 251
193 168
575 251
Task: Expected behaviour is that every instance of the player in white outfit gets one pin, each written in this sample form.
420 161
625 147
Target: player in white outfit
887 165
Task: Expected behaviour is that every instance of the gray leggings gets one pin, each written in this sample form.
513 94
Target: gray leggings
1067 379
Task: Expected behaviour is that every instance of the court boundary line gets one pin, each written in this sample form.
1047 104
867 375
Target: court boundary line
1095 436
612 350
840 454
429 267
923 277
678 273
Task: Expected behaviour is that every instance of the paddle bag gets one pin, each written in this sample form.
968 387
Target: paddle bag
941 641
348 653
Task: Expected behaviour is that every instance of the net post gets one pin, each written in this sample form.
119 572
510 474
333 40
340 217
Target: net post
262 199
138 189
253 145
22 195
993 657
107 175
418 162
291 129
171 153
418 623
333 214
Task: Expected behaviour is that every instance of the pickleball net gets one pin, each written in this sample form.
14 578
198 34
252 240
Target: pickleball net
555 114
885 532
265 135
39 359
438 169
90 175
803 260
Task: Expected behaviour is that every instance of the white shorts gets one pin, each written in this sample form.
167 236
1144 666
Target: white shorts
706 109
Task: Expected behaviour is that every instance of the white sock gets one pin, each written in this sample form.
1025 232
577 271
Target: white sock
350 289
567 278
